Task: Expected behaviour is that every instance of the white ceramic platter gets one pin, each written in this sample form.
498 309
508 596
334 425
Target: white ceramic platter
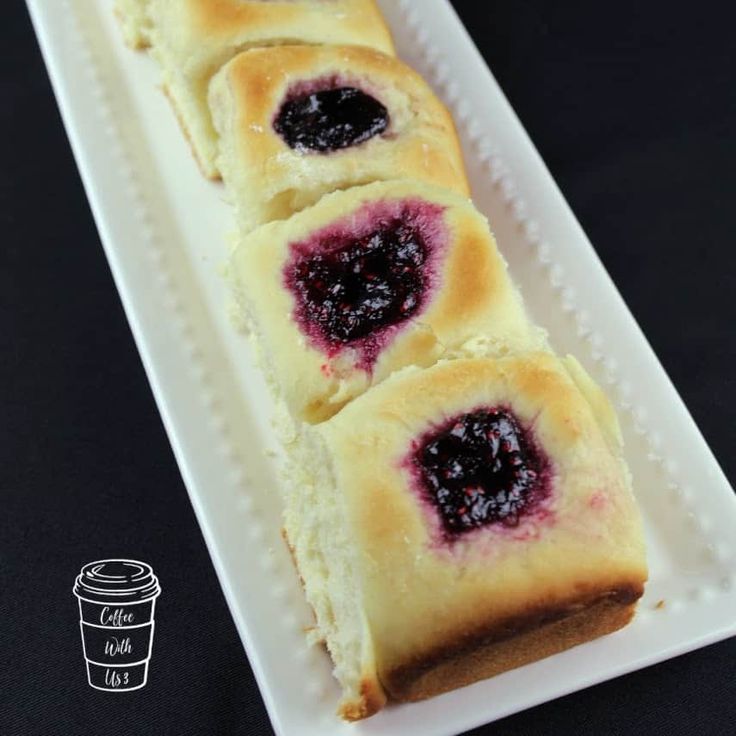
164 231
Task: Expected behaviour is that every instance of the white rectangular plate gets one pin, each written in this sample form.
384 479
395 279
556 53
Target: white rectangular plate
164 231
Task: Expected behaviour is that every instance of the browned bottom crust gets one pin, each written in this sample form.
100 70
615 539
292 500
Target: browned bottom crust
525 640
372 699
494 657
187 135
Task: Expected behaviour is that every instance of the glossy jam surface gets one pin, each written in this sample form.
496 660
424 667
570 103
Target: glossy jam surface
479 469
327 120
358 281
372 282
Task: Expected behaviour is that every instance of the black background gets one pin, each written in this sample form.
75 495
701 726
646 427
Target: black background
633 108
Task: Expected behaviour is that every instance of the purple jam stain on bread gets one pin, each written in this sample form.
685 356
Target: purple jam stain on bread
328 115
359 280
479 469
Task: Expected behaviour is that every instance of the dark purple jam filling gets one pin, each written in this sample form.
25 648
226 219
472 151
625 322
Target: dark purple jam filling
356 282
367 284
479 469
330 119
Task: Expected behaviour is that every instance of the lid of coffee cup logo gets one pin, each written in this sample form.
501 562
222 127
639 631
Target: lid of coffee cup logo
116 581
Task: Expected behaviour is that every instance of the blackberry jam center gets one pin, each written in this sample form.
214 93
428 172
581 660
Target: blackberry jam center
352 291
330 119
481 468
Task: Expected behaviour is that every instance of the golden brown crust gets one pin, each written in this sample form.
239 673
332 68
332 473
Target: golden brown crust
442 612
372 699
259 79
481 277
214 18
218 16
193 39
269 180
527 637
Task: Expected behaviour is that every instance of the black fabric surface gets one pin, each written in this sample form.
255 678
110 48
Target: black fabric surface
632 106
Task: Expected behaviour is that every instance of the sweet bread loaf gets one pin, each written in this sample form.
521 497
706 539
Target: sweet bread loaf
136 22
462 520
370 280
458 502
297 122
192 39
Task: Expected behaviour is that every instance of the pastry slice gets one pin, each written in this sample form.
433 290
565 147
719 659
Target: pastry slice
462 520
370 280
297 122
136 22
192 39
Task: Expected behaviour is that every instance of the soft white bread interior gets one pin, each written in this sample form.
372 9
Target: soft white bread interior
136 22
469 306
408 612
193 39
269 180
